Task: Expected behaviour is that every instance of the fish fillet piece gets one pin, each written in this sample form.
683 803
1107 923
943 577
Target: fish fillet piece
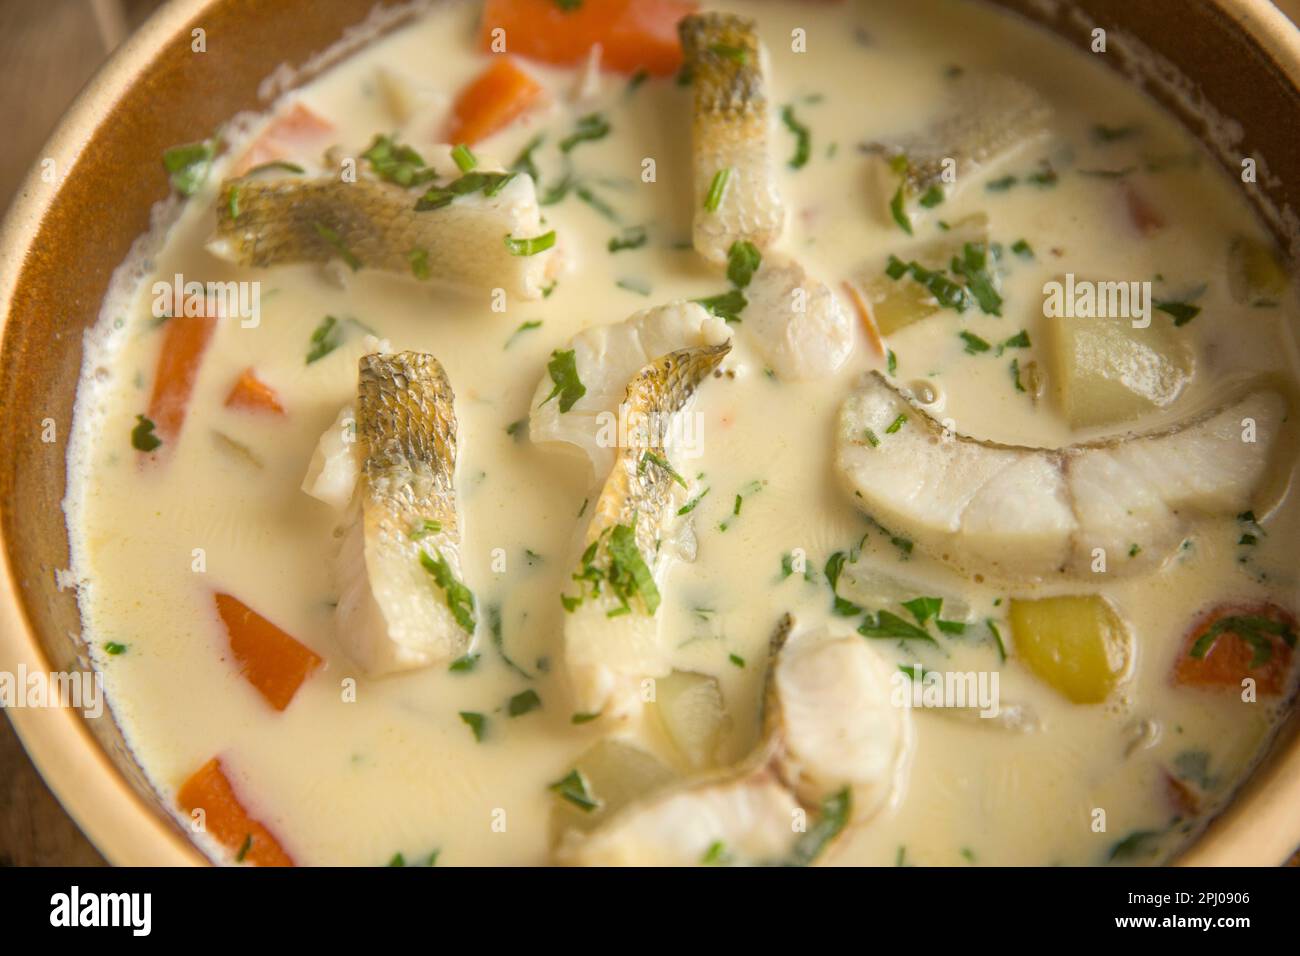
798 324
988 117
730 133
606 358
1137 491
1033 512
830 708
611 633
267 220
332 475
834 749
747 819
402 603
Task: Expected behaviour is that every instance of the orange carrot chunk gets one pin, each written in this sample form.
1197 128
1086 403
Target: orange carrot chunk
252 394
633 34
298 133
494 100
273 662
185 339
226 820
1235 641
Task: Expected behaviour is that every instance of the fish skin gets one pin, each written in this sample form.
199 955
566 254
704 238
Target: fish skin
990 115
607 357
391 615
1030 513
606 657
377 223
731 129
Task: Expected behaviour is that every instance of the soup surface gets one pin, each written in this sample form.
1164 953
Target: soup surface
873 209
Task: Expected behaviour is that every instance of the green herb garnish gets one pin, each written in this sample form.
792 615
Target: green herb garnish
460 600
563 369
531 246
142 435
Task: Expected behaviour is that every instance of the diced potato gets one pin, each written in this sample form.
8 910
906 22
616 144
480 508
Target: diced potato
692 714
897 303
1104 371
1079 645
1255 277
616 773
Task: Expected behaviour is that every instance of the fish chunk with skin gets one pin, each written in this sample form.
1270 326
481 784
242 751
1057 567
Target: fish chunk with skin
402 601
266 220
989 116
797 323
835 749
606 358
612 636
1028 513
735 190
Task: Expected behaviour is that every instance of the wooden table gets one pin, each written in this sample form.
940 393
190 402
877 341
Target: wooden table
50 49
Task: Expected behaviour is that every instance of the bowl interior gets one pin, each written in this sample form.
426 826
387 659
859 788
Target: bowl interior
63 240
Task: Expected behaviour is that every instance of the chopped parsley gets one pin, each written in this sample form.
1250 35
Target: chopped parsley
835 813
726 306
997 638
188 165
886 625
573 788
802 138
425 528
324 339
477 723
460 600
589 128
633 237
524 702
142 436
563 370
531 246
743 260
464 664
974 343
896 424
464 159
691 505
973 266
1182 312
1255 630
924 608
523 327
114 648
395 163
717 189
1022 248
932 197
660 462
437 197
419 259
897 208
736 659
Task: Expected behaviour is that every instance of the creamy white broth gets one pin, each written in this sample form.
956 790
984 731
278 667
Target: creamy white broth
397 770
